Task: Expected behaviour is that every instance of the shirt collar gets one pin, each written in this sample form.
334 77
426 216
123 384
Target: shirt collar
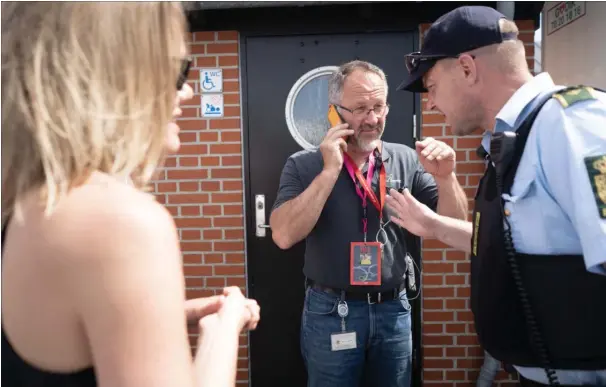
512 111
522 97
385 152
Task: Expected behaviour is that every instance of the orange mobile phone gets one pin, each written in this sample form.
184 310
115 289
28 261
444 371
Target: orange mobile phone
334 118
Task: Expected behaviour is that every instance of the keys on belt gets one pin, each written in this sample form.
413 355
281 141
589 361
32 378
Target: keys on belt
371 297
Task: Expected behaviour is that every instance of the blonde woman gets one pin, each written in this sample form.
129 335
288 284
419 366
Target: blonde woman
92 281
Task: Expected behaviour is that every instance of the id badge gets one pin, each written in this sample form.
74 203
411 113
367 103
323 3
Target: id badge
342 341
365 263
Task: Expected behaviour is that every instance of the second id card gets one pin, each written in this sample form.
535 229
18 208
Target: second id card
365 263
341 341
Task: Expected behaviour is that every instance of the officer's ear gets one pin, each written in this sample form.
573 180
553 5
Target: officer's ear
468 66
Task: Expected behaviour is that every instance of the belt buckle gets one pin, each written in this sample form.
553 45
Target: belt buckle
369 298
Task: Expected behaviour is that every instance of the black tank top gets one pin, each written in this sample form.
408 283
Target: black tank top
18 373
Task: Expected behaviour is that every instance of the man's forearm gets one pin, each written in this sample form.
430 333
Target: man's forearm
453 232
294 220
452 200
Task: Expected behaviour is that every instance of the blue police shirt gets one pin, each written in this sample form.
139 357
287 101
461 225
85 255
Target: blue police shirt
552 206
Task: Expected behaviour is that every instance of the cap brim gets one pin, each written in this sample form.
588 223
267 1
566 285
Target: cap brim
414 81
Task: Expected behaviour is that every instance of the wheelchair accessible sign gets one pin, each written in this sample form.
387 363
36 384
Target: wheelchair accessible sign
211 82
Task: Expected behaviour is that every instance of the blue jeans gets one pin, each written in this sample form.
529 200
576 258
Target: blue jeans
383 355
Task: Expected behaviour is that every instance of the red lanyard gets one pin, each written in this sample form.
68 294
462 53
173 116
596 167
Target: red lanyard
355 172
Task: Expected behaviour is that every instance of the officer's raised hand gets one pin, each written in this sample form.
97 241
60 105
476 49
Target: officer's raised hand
437 157
409 213
333 146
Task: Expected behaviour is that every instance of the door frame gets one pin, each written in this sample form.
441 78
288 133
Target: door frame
249 210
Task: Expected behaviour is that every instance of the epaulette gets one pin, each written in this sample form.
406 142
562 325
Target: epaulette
574 94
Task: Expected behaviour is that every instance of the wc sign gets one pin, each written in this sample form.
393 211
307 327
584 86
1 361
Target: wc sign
211 80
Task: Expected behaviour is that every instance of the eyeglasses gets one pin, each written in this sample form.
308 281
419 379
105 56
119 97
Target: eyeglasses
362 111
184 72
414 59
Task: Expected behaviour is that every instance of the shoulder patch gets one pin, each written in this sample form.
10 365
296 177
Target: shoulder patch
572 95
596 169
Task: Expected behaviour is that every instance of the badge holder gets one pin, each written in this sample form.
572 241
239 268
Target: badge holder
343 340
365 257
365 263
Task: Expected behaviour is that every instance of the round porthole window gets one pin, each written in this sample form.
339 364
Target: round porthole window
307 107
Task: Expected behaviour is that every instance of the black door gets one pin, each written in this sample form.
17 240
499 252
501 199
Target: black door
271 66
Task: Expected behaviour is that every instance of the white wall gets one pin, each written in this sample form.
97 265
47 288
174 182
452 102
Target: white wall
576 53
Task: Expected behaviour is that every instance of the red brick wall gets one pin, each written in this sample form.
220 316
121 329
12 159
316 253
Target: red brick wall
452 356
202 185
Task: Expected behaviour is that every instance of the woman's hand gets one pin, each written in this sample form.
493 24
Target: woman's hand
235 311
198 308
255 314
239 308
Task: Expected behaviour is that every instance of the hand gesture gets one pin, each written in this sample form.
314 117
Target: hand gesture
255 314
437 157
198 308
238 310
411 214
333 146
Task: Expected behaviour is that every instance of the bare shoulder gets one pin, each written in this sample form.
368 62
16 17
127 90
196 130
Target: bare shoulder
123 277
106 214
107 200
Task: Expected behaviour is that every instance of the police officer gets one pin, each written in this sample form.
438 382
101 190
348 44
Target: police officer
538 237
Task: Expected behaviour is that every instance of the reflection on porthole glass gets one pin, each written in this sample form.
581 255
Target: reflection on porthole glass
310 110
307 107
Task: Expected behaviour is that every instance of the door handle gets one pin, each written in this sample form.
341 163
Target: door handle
260 216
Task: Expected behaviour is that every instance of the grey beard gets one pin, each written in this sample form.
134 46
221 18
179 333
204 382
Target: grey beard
366 145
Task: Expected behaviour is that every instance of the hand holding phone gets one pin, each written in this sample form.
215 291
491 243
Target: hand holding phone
335 143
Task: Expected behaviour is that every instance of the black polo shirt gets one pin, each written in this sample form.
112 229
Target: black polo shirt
327 252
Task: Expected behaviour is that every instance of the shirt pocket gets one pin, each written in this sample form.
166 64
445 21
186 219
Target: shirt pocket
522 188
523 213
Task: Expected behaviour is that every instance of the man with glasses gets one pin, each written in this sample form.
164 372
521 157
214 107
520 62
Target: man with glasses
356 321
538 237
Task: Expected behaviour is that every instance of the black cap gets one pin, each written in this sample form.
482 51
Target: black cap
460 30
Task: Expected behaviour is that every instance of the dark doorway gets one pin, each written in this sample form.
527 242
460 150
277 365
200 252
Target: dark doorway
271 65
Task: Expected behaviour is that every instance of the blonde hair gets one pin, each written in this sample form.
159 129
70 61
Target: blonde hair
86 86
511 54
508 57
508 26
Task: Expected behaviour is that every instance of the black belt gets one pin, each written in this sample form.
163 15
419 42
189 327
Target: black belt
370 297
